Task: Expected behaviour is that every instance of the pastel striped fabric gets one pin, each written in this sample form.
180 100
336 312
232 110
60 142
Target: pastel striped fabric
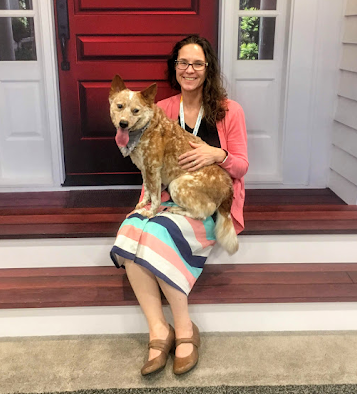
173 247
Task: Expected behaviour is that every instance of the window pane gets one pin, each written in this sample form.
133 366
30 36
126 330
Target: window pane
256 38
17 39
258 4
16 5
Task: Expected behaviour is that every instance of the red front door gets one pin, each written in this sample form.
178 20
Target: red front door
107 37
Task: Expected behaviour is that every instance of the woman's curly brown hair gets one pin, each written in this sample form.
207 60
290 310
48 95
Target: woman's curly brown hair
214 95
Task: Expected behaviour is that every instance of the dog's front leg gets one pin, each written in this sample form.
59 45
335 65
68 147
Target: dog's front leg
152 192
145 200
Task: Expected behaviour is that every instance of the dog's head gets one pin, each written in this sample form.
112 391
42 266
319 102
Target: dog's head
130 111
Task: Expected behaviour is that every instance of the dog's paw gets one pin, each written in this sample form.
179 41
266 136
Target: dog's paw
145 212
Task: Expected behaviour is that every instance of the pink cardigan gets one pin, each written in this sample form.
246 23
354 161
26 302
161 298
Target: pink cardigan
233 138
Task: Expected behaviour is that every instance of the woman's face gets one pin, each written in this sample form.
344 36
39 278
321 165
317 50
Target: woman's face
191 80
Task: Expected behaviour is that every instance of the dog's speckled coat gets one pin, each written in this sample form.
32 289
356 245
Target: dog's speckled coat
199 194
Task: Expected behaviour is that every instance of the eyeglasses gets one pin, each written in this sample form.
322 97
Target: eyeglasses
197 66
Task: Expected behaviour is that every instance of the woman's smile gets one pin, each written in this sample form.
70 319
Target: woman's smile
190 79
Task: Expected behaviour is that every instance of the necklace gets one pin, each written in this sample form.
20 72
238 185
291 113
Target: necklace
198 121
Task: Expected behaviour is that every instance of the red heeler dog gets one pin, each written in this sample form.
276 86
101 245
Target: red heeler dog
154 143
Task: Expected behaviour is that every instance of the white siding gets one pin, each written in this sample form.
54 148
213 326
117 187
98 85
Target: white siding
349 56
345 138
343 166
345 189
346 112
350 32
348 85
351 8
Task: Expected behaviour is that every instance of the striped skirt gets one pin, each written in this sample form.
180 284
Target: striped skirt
173 247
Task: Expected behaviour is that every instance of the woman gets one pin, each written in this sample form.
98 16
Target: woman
168 251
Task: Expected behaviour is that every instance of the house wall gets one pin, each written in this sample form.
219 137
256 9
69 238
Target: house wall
343 164
310 83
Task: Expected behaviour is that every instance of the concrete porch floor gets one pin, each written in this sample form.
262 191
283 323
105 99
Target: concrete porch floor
47 364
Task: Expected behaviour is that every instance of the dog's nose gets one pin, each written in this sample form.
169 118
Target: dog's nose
123 124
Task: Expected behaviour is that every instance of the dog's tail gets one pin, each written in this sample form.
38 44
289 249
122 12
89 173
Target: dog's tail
225 233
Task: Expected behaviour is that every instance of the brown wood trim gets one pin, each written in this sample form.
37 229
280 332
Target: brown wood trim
128 197
299 208
218 284
96 213
63 218
94 216
62 211
73 230
105 225
281 267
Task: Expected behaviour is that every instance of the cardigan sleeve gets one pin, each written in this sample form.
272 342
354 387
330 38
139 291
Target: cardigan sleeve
164 104
235 135
170 106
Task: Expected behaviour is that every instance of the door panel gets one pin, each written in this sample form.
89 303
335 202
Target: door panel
137 5
130 38
25 147
123 48
257 68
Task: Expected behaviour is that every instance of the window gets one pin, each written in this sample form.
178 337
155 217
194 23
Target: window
256 33
258 4
17 32
256 38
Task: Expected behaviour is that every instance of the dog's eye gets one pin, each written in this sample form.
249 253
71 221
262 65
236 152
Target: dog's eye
120 106
135 110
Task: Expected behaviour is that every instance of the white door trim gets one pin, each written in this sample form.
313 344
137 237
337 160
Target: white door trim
311 93
51 84
311 87
40 164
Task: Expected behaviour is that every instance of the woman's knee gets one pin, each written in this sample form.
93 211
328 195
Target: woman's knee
128 262
134 269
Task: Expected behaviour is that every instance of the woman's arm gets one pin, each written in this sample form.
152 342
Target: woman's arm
232 156
235 134
201 155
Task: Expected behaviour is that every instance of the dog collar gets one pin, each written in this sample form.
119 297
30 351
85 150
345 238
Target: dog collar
134 138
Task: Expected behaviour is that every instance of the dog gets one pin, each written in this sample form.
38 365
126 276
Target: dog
154 142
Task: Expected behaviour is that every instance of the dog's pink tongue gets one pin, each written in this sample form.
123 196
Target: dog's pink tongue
122 137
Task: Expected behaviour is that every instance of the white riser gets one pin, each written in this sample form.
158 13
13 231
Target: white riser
209 318
253 249
223 318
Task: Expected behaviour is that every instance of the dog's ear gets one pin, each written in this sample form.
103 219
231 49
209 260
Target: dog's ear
117 86
149 93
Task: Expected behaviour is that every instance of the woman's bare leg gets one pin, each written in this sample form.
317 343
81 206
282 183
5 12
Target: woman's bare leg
179 307
147 291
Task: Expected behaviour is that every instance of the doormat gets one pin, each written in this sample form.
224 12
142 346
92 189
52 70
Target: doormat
311 389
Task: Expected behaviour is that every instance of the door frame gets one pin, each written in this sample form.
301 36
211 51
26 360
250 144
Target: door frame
51 84
263 77
310 88
305 164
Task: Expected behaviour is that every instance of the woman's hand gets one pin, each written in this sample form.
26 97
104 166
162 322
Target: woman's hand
202 155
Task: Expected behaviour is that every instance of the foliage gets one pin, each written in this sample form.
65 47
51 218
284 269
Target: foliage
20 29
244 4
249 31
22 4
248 51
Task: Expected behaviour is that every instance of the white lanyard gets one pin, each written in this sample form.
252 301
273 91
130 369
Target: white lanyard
198 121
